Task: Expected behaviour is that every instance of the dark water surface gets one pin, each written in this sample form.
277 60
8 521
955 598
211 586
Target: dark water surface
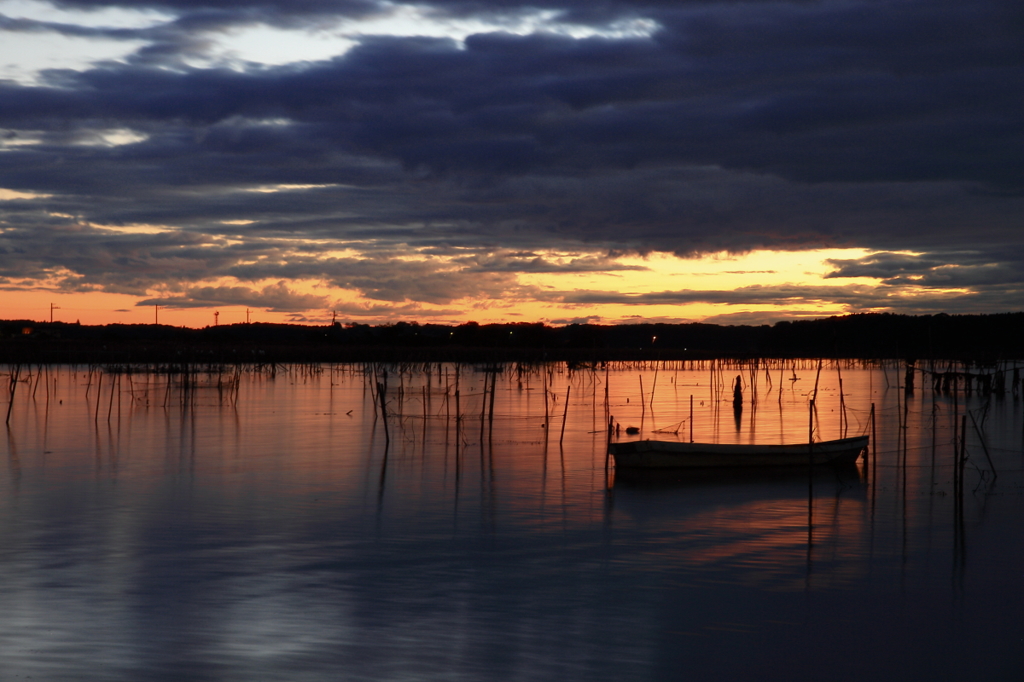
278 533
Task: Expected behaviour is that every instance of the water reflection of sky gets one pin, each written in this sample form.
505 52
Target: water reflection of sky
272 537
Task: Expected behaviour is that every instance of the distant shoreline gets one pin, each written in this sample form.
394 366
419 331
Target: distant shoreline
974 338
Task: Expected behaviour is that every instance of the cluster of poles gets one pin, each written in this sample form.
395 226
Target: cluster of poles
184 381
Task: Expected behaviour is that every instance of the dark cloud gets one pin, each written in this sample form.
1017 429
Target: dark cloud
853 299
79 257
732 126
509 104
398 281
274 297
968 269
70 256
758 294
530 262
265 9
586 319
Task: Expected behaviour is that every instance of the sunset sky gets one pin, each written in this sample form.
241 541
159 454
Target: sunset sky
559 161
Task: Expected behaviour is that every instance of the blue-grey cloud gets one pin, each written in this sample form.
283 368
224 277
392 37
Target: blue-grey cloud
853 298
275 297
973 269
732 126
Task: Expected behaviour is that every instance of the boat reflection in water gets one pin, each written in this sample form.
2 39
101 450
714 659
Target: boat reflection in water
780 529
848 475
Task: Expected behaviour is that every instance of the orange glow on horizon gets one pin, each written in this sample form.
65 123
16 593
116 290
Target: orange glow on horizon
658 287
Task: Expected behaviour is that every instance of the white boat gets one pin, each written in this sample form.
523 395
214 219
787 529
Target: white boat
663 454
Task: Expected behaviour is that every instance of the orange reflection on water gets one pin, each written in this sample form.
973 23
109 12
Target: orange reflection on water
755 527
458 444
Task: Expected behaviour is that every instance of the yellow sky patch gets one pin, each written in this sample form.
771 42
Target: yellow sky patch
10 194
716 272
659 273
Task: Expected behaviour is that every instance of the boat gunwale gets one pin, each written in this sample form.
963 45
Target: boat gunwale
668 454
684 447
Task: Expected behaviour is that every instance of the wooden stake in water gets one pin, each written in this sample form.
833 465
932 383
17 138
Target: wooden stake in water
984 447
810 476
816 377
654 387
15 374
643 400
963 458
691 417
608 441
843 422
458 410
544 376
99 392
39 373
607 405
110 404
874 440
494 379
565 412
810 434
382 390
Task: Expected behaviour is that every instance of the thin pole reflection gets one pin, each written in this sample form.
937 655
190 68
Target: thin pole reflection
13 460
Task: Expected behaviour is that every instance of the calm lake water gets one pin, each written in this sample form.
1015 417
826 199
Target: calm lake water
277 531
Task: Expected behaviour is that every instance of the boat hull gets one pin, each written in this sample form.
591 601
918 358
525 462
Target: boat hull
656 454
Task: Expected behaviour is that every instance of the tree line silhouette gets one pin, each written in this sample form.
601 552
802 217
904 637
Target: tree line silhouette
874 335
